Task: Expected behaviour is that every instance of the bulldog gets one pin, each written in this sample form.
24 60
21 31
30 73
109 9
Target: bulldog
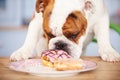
68 25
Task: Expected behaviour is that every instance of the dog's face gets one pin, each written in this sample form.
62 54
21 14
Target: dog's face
64 24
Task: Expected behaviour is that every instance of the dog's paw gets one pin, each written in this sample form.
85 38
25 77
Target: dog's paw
21 54
110 55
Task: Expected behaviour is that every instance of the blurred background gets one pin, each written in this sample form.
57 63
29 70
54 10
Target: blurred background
15 16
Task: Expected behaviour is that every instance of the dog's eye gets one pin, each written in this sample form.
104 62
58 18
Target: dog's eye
73 36
73 16
50 35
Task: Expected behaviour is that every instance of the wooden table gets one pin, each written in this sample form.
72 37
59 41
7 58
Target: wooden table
105 71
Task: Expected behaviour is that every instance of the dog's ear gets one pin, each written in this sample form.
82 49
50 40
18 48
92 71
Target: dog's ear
89 7
40 5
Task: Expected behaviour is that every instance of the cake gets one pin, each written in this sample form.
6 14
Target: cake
60 60
68 64
48 57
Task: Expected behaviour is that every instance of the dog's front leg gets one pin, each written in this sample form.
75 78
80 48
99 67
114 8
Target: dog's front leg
26 51
106 51
41 46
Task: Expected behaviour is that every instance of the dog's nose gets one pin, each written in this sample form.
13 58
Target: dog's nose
60 45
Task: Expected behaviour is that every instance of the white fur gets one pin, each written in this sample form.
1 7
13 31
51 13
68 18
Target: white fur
98 24
61 10
34 32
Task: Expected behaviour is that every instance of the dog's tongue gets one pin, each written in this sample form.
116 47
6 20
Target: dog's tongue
56 54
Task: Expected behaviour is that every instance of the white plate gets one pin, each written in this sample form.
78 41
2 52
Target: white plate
33 66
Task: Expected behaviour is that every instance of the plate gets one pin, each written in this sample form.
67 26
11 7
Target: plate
34 67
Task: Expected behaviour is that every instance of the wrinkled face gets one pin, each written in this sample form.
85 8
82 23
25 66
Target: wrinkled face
64 24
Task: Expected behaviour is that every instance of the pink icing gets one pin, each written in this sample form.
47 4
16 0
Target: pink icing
56 54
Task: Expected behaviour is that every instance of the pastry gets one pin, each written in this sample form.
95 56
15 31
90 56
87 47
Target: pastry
68 64
48 57
60 60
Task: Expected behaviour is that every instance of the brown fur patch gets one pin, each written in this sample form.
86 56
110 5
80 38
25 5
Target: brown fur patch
46 19
75 26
